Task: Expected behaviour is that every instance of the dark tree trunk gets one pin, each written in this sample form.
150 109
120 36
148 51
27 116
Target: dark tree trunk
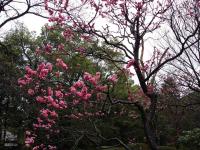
147 119
150 135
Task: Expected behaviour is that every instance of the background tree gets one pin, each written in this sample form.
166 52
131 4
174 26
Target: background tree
80 121
16 52
184 23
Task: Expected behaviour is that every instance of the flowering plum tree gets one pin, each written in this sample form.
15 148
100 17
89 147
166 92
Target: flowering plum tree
63 89
129 25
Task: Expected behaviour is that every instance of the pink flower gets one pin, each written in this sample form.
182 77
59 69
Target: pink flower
86 97
48 48
73 90
93 80
57 74
88 77
67 94
80 94
101 88
75 102
31 92
40 99
68 34
53 114
28 133
28 79
36 126
29 71
50 99
49 66
98 75
29 140
49 91
84 90
41 66
113 78
62 104
44 113
36 148
59 94
55 105
61 64
78 84
61 47
21 82
50 12
130 63
51 121
39 120
43 73
139 5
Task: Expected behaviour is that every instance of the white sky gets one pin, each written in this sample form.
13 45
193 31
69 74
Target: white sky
33 23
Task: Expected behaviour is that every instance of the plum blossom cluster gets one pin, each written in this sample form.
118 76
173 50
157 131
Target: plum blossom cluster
80 89
41 72
46 120
48 48
30 140
60 63
68 34
53 99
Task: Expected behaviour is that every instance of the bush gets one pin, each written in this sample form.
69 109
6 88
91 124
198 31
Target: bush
111 148
139 146
190 139
166 148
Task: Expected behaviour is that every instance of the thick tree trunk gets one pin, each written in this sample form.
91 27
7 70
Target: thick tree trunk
150 135
1 121
148 123
147 119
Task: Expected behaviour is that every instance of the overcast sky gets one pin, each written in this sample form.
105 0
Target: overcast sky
34 23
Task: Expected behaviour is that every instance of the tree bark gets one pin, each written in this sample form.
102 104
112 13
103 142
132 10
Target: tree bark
147 120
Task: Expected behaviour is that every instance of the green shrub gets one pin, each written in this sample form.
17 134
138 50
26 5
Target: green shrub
112 148
139 146
166 148
190 139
